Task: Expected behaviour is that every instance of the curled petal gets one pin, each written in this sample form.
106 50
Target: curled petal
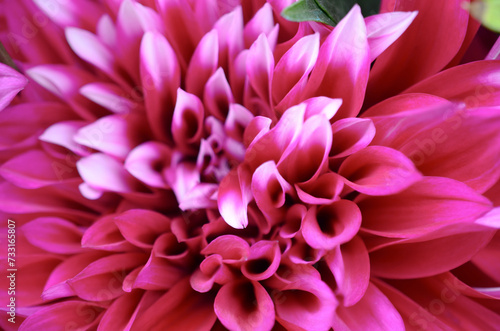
269 187
187 121
322 105
244 306
263 260
237 121
234 196
212 270
323 191
62 134
141 227
104 234
329 226
147 161
217 95
351 135
203 63
230 248
294 217
378 170
11 83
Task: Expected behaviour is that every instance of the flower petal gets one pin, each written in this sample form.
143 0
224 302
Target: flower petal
147 161
54 234
11 83
234 196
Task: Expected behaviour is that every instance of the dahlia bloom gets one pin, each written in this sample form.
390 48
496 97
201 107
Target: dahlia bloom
207 164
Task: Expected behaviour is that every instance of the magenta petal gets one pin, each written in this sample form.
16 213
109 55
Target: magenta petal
204 278
323 191
147 161
350 135
122 312
269 187
373 312
234 196
62 134
424 207
384 29
261 22
350 265
160 76
378 170
54 234
109 96
263 260
187 121
231 248
203 63
331 225
11 83
217 95
64 313
341 70
104 234
65 13
244 306
305 302
260 68
141 227
158 274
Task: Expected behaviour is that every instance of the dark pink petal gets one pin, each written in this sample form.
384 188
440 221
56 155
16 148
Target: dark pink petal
341 70
260 68
75 314
417 257
445 25
244 306
109 96
160 76
230 31
486 258
384 29
373 312
306 301
217 95
62 134
350 265
187 121
308 157
104 234
231 248
292 71
263 260
378 170
141 227
424 207
329 226
294 217
158 274
203 63
105 173
350 135
234 196
236 121
122 312
147 161
323 191
269 188
20 171
180 301
212 270
53 234
11 83
102 280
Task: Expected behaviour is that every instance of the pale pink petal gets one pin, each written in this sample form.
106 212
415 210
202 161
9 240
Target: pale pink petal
384 29
202 195
260 68
217 95
351 135
350 265
54 234
329 226
261 22
147 161
203 63
11 83
182 178
187 121
109 96
378 170
341 70
234 196
373 312
82 14
62 134
322 105
230 31
244 306
160 76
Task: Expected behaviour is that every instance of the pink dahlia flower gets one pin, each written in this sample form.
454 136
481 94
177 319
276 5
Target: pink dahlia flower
209 165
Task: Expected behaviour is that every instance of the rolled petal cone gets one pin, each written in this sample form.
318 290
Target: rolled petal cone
209 165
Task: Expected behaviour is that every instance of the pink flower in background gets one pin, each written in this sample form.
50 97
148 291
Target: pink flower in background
198 165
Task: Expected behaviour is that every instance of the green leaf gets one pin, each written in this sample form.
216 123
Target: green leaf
327 11
487 12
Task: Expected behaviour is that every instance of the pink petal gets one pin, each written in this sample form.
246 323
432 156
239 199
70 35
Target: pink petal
305 302
237 121
323 191
494 53
263 260
109 96
217 95
104 234
269 188
231 248
83 14
147 161
54 234
210 271
293 69
182 178
350 265
122 312
308 158
234 196
62 134
244 306
260 68
187 121
345 53
181 300
294 217
230 31
203 63
262 22
322 105
350 135
328 226
202 195
160 75
373 312
64 313
141 227
106 173
98 275
158 274
384 29
417 57
11 83
20 171
378 170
